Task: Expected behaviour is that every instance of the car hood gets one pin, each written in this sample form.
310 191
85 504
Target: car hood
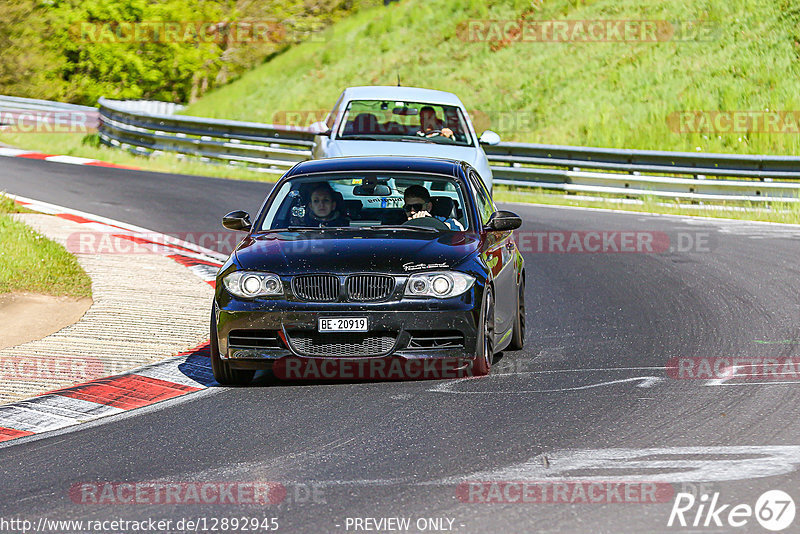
402 148
347 251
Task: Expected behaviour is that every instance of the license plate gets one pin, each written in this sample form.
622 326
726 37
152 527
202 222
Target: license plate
343 324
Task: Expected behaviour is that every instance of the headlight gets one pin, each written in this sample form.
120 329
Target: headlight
248 284
438 284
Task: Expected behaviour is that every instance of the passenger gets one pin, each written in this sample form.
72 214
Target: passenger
418 204
430 125
321 210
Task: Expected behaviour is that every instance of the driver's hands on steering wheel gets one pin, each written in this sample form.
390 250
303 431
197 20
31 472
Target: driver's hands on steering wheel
420 214
446 132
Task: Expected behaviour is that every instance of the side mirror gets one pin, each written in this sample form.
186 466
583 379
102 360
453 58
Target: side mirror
489 138
320 128
503 221
237 220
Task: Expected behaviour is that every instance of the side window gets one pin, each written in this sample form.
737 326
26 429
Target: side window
485 205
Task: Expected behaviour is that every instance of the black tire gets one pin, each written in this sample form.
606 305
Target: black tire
518 334
484 353
223 373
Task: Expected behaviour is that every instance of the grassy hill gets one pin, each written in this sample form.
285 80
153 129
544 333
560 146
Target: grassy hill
744 57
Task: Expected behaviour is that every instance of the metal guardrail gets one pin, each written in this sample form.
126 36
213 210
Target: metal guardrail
683 175
275 148
152 107
14 103
268 148
29 114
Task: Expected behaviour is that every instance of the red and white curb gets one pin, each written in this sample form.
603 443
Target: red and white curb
203 262
178 375
182 374
72 160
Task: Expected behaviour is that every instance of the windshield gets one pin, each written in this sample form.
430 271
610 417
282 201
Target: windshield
368 200
393 120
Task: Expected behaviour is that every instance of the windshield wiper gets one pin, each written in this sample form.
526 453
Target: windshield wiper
360 138
404 227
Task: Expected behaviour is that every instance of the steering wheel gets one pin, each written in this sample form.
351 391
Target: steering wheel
427 222
436 133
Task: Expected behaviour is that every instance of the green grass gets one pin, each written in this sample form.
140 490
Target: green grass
81 145
32 263
606 94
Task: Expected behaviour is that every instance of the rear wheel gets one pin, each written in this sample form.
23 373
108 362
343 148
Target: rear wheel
223 373
518 335
484 353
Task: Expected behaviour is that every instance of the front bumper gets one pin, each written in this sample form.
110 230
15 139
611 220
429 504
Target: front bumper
255 334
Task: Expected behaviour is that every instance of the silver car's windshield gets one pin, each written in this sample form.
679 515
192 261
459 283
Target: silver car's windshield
384 120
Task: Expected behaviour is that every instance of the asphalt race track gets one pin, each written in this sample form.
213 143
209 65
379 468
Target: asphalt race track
589 398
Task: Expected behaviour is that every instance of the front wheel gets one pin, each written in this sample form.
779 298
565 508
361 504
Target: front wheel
484 352
223 373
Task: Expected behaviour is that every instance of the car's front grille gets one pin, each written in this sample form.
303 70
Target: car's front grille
435 339
316 287
254 339
367 287
342 345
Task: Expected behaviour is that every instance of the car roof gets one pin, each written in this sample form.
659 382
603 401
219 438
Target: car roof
406 94
447 167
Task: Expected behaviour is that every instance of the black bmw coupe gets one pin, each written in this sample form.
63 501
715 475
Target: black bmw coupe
351 262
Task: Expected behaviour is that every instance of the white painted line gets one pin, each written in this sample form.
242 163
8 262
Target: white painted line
677 464
12 152
773 383
593 369
447 387
74 160
46 207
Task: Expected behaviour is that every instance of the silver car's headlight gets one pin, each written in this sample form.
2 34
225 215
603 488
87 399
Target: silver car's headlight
249 284
443 284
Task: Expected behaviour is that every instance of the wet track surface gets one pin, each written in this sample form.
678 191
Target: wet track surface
588 398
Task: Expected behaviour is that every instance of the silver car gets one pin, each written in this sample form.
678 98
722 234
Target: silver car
402 121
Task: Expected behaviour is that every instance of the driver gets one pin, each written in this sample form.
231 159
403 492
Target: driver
418 204
430 125
321 209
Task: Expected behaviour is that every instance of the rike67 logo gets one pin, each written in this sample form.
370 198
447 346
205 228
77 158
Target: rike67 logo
774 510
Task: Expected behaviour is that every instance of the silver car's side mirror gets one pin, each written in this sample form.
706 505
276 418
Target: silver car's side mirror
489 138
